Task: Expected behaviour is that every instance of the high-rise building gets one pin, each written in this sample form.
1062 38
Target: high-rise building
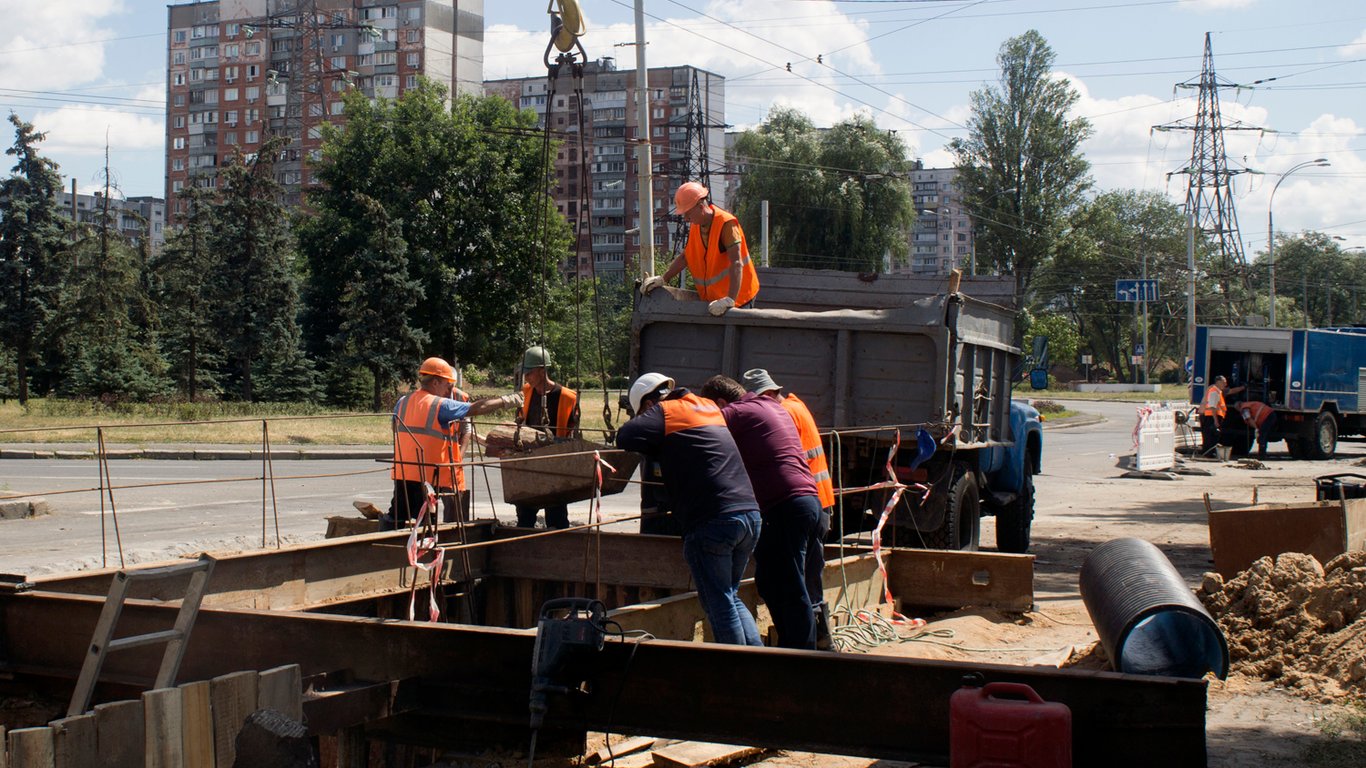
609 135
943 236
241 71
134 217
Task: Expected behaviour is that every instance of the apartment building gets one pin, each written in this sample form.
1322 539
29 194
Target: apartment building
596 186
134 217
943 236
241 71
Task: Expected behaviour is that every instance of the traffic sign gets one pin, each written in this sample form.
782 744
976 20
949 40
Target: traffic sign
1190 366
1136 290
1138 349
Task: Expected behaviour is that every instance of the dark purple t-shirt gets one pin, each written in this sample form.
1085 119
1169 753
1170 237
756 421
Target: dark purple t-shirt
771 449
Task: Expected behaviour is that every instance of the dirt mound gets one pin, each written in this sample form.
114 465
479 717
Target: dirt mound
1295 622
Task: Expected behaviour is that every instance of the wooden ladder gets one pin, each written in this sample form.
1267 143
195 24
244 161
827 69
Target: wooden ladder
102 643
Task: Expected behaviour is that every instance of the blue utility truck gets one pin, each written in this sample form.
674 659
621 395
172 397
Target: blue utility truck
874 356
1314 378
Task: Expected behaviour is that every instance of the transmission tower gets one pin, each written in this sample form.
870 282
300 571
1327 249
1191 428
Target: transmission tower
1209 195
693 165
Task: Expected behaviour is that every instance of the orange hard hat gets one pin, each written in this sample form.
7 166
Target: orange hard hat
690 193
435 366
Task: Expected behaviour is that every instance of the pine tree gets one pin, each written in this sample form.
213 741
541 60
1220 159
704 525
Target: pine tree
31 266
180 275
255 296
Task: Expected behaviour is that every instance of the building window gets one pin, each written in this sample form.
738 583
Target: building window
253 71
178 142
177 163
253 93
178 58
337 107
178 78
230 74
410 82
365 60
414 35
338 41
253 137
230 117
253 49
230 138
414 59
177 185
385 58
179 121
180 36
232 51
178 99
196 75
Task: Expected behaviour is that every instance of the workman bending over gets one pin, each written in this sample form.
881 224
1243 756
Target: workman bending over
551 408
427 442
1213 411
758 381
712 496
717 254
790 509
1261 418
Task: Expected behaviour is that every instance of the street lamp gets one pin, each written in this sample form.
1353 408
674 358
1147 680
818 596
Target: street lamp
1271 230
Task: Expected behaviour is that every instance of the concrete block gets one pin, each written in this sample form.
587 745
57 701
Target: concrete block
73 455
15 453
18 509
44 454
168 454
124 453
222 454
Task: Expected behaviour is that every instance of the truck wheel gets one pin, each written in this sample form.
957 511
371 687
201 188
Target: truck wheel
962 515
1014 519
1323 441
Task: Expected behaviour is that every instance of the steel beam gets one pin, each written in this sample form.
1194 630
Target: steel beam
871 706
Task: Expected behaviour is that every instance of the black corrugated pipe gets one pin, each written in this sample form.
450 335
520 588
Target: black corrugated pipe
1149 621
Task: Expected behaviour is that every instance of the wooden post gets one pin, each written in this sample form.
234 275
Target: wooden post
163 709
197 725
353 749
75 742
118 728
281 689
233 699
31 748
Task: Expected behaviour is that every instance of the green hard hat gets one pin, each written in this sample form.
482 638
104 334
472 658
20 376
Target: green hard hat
536 357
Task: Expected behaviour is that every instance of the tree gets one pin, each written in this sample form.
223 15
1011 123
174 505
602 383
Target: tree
1318 284
465 185
31 268
181 292
839 198
1020 166
254 290
1061 332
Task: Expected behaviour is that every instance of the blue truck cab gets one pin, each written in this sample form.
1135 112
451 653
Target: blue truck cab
1313 378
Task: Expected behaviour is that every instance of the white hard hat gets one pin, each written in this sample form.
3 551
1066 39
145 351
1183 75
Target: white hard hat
648 384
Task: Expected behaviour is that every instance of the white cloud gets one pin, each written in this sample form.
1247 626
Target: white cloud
82 130
1355 49
37 38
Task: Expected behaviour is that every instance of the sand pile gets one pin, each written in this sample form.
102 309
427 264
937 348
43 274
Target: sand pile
1296 622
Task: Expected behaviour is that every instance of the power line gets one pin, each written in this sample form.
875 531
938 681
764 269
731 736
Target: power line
82 42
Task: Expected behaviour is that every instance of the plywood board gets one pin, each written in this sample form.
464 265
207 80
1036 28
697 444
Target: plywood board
281 689
1324 529
701 754
31 748
197 725
76 741
233 698
119 734
163 734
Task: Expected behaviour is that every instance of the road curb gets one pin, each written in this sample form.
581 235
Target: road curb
1085 420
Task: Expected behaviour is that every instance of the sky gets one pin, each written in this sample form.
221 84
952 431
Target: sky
87 71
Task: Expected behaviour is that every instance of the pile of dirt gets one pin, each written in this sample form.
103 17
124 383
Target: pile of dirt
1295 622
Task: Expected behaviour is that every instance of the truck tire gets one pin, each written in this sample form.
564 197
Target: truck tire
962 515
1014 519
1323 441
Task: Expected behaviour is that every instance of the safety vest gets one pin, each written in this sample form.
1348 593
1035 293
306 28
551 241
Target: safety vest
569 399
457 452
813 448
1256 412
710 267
421 443
690 411
1214 402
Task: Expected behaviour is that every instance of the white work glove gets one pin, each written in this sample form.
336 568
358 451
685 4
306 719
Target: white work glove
513 400
651 283
721 306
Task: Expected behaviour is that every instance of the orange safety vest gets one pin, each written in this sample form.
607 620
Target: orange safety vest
1257 412
421 443
1214 402
690 411
710 267
813 448
569 400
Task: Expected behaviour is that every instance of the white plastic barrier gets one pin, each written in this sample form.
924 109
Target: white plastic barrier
1155 437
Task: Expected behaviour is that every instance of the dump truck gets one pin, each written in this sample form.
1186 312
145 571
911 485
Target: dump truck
878 359
1314 379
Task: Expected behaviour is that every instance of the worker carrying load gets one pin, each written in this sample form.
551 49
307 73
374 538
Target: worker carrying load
717 254
426 441
550 407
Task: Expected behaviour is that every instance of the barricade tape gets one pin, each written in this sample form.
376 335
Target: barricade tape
425 556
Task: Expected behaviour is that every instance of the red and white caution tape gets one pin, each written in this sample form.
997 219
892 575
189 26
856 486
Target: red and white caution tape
598 464
887 509
425 555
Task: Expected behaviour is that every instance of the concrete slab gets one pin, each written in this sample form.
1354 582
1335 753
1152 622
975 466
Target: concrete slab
168 454
72 455
15 453
222 454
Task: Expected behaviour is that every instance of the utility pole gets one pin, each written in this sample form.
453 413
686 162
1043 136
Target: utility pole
1144 364
644 151
763 228
1190 287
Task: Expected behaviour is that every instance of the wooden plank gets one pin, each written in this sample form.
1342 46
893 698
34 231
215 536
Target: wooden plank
31 748
620 749
3 752
76 741
701 754
1324 529
627 559
163 734
233 698
931 578
197 725
281 689
119 734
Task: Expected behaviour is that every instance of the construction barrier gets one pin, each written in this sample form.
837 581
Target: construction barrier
1155 438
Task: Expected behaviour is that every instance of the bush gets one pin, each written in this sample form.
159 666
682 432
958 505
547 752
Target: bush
1048 406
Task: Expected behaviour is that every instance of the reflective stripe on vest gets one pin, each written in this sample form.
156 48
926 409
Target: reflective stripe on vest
420 444
564 413
813 448
710 267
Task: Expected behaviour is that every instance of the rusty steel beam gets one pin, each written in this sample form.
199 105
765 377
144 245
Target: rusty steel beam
871 706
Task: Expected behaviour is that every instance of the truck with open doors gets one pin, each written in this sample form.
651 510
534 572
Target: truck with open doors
1314 379
879 360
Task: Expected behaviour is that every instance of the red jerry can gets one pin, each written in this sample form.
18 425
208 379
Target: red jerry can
1005 725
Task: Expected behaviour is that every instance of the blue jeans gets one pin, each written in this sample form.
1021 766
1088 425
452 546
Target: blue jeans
717 551
780 569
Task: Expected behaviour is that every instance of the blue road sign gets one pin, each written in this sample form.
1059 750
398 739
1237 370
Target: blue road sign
1136 290
1138 348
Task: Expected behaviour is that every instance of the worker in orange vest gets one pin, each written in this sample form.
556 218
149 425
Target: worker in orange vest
552 408
759 381
1212 412
426 441
717 254
1261 418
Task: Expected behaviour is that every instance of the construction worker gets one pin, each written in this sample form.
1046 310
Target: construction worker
1261 418
789 507
717 254
1212 412
712 496
426 435
758 381
552 408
